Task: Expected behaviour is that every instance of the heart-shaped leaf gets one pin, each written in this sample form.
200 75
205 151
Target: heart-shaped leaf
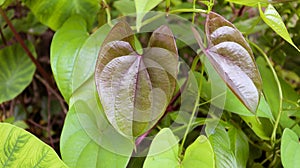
136 89
163 151
16 71
199 154
231 56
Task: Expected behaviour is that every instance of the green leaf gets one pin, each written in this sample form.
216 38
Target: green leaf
233 59
248 2
142 85
142 7
126 7
163 151
199 154
22 149
16 71
290 149
55 12
88 140
262 127
239 145
2 2
220 142
74 53
272 18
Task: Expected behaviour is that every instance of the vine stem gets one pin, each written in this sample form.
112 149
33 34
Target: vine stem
106 7
29 54
194 14
273 136
193 113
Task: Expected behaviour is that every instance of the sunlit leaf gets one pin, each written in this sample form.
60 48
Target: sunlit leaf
74 53
95 139
135 89
199 154
163 151
22 149
290 149
16 71
272 18
233 59
55 12
142 7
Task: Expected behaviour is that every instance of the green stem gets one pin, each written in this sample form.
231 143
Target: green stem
106 7
192 116
188 11
168 4
194 14
273 136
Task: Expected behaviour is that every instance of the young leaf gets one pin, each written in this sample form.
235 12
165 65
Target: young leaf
272 18
231 56
16 71
55 12
136 89
142 7
290 149
199 154
163 151
22 149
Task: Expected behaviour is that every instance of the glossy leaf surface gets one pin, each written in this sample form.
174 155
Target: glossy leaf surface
213 89
55 12
136 89
233 59
73 47
87 127
272 18
163 151
290 149
142 7
199 154
16 71
22 149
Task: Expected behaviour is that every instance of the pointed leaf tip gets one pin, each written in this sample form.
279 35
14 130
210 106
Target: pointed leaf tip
232 58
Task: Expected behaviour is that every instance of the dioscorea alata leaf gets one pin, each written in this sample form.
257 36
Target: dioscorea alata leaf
290 149
231 56
135 89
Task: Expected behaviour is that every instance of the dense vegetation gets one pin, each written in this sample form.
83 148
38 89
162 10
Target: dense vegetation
149 83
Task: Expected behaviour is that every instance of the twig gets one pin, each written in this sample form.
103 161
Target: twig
29 54
2 36
59 98
49 126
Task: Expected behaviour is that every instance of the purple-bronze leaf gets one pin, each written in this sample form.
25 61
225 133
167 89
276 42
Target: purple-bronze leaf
232 57
135 89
